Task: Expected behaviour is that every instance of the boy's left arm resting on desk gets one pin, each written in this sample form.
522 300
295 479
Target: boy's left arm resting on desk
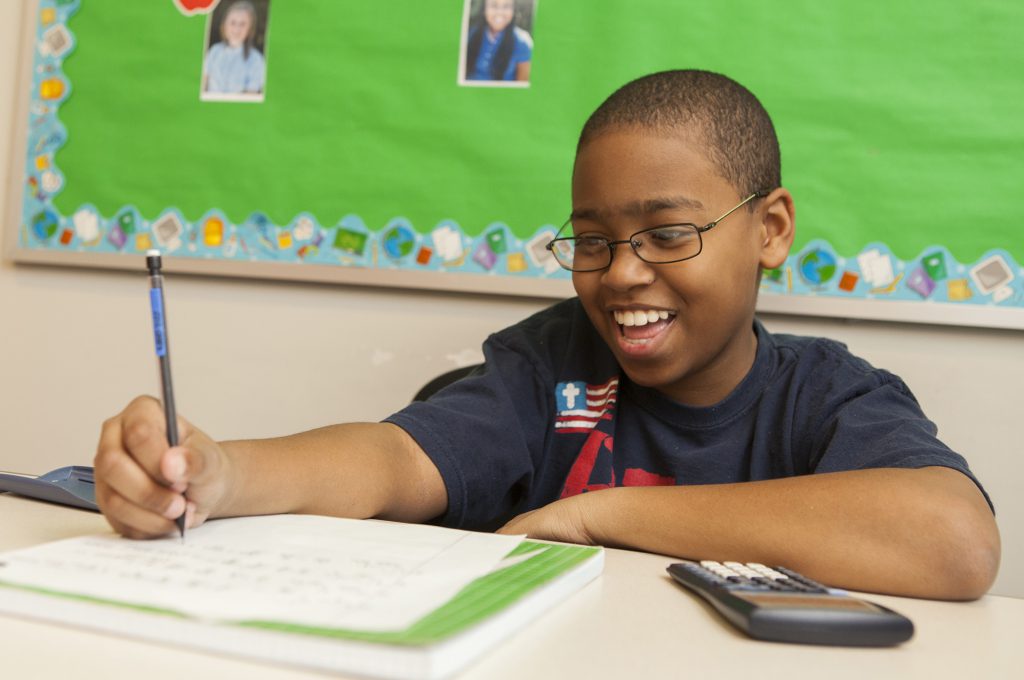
924 532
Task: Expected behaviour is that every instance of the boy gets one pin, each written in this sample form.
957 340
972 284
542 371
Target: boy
651 412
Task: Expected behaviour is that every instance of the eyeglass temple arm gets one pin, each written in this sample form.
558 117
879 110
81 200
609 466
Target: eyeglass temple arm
748 199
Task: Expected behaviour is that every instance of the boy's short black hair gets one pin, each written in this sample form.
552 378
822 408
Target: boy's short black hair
738 133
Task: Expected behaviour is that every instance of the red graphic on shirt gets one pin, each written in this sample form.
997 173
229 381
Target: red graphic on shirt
578 480
638 477
598 445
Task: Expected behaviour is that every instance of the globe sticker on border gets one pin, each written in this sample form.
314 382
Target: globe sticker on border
817 267
398 241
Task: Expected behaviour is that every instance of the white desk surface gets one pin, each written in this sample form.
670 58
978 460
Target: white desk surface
632 622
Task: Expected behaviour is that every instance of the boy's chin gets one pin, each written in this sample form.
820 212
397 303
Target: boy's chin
651 377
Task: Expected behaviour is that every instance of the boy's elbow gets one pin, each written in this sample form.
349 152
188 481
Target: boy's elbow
982 558
972 551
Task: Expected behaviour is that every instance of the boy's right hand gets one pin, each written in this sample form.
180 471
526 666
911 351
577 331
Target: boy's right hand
140 479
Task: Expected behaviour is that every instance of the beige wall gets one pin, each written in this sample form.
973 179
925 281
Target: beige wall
261 359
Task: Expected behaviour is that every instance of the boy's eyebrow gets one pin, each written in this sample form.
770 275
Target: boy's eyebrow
639 208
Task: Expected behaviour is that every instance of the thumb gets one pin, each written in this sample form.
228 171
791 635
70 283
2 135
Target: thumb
174 467
188 462
201 459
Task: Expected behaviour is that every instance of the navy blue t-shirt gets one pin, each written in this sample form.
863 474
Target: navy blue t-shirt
551 414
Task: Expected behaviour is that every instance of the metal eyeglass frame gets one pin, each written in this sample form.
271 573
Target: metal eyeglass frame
635 243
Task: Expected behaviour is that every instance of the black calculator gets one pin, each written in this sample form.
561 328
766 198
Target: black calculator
778 604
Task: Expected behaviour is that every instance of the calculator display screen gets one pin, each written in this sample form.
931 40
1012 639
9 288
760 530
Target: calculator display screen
782 601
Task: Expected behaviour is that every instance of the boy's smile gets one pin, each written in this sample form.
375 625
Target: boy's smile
641 329
683 328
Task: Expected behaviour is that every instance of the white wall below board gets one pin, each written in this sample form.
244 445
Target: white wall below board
255 359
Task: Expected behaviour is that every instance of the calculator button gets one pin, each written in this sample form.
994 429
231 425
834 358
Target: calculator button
803 583
724 572
767 572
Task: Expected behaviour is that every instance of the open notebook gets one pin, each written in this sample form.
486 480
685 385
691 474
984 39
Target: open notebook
374 598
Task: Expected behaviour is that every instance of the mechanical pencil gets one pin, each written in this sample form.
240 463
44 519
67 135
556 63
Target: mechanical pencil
163 353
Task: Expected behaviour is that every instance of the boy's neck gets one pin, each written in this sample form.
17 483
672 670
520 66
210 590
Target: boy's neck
721 376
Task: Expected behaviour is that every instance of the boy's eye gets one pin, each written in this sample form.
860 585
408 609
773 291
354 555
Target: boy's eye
675 236
591 244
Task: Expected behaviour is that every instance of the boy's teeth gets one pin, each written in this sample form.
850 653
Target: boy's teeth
639 317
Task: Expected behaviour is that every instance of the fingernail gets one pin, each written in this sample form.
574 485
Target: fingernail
176 507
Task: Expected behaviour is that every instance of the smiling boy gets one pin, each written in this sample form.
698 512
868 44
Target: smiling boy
652 411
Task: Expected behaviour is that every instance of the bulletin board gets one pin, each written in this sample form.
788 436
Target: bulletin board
367 161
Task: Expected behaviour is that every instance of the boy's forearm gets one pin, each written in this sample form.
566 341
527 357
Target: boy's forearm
922 533
352 470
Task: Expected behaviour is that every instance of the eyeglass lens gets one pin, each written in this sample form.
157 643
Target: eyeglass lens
659 245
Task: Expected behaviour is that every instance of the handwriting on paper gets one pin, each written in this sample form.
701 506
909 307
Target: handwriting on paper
315 571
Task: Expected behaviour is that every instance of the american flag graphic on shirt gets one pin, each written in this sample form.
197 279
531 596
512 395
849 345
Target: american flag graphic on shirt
581 406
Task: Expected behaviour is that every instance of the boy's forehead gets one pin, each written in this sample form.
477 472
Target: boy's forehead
619 146
638 207
632 172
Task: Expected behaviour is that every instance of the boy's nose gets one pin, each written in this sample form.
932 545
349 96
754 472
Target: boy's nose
627 270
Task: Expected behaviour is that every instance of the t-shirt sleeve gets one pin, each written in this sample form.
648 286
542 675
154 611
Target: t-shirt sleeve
874 421
483 433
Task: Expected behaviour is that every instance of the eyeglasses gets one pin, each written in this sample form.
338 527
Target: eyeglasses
655 245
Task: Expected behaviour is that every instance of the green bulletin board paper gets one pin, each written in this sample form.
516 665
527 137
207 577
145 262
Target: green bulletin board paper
362 115
901 137
868 141
913 131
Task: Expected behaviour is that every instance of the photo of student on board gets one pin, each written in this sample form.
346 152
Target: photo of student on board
235 66
652 411
498 42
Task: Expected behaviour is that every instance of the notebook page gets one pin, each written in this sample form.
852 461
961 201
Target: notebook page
363 575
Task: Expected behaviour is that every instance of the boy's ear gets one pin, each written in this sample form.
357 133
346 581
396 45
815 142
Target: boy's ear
778 226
